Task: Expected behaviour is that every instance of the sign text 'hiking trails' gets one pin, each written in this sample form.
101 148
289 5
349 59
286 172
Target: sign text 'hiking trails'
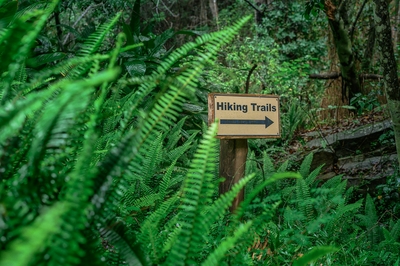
245 115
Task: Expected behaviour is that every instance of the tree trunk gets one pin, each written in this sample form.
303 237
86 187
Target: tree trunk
214 11
339 24
333 88
389 66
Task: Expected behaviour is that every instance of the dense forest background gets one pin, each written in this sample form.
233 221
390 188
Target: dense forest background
106 156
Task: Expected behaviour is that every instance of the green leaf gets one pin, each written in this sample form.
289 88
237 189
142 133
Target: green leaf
44 59
314 254
136 68
135 19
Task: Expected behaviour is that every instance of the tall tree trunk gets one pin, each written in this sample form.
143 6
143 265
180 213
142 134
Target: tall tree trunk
339 24
389 66
214 11
333 88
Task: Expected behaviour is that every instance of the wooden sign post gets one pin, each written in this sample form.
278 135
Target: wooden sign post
240 117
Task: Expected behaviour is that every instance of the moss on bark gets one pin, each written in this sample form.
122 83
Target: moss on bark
388 64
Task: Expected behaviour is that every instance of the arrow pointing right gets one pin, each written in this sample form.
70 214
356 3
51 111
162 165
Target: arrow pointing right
267 122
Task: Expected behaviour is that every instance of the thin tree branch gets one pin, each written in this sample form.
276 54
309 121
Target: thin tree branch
355 21
76 22
253 6
59 31
329 75
248 78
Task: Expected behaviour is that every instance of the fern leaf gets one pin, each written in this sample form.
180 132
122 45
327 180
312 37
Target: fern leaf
197 191
16 54
23 250
13 115
131 254
341 211
283 167
57 118
92 44
371 220
150 231
305 165
313 175
268 166
303 199
211 43
176 153
314 254
165 181
228 243
275 177
395 231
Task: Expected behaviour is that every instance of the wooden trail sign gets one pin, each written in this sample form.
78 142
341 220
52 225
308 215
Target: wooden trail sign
240 117
244 116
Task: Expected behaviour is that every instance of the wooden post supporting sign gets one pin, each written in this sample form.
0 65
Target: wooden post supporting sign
232 166
240 117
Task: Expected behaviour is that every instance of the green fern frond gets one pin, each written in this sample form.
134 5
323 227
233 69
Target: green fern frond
197 191
43 59
18 50
92 44
341 211
78 190
57 118
249 198
218 208
151 235
283 167
166 181
24 250
152 160
333 182
130 253
14 114
313 175
371 220
268 166
177 152
65 67
305 165
174 134
395 231
192 73
218 254
303 199
25 12
94 41
145 201
251 163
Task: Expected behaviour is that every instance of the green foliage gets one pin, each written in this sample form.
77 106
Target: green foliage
365 103
313 255
311 213
102 163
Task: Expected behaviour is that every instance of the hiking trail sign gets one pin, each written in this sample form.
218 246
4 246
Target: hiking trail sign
244 116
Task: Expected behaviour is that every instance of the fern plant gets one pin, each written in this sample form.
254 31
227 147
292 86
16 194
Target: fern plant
67 170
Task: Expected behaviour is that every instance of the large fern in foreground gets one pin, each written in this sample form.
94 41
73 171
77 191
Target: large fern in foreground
56 183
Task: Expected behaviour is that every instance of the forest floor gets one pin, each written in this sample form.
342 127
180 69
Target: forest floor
360 148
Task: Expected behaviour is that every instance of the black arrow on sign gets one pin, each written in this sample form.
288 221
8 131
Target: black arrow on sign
267 122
